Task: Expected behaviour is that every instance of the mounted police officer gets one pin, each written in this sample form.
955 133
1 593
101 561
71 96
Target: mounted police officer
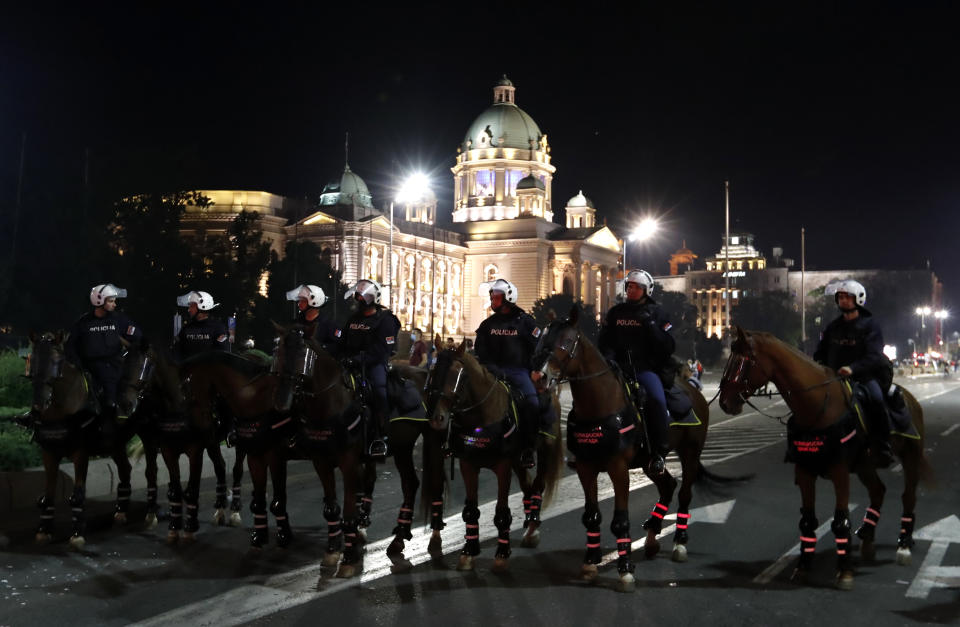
97 344
369 339
506 342
201 332
636 336
310 299
852 344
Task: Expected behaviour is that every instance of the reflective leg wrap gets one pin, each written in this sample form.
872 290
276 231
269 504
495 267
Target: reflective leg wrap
655 522
284 534
808 536
152 500
531 509
868 528
905 540
351 544
260 533
331 513
192 501
683 522
221 500
123 498
471 518
591 520
47 513
502 519
175 498
78 518
436 515
620 527
841 534
404 521
235 502
364 507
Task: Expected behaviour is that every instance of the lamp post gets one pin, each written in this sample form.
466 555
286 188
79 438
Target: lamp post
941 315
647 228
923 312
414 189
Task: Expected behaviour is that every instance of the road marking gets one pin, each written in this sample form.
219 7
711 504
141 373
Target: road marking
774 569
931 574
950 430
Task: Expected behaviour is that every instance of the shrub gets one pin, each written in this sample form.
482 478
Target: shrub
17 451
14 388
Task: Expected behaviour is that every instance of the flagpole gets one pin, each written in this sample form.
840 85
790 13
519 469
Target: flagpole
726 262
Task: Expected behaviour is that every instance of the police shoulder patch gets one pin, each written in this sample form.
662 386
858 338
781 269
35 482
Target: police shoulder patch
390 339
131 329
667 326
536 331
222 338
337 333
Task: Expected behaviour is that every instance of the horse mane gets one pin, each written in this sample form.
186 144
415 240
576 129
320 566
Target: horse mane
473 364
244 366
767 337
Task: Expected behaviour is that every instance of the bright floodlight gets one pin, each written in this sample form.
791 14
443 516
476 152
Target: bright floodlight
942 314
648 228
923 311
414 188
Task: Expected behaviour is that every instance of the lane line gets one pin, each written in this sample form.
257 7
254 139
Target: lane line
950 430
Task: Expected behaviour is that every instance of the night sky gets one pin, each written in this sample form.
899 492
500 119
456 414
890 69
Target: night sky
840 118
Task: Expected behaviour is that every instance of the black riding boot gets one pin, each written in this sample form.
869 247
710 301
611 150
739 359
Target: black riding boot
376 429
528 427
879 440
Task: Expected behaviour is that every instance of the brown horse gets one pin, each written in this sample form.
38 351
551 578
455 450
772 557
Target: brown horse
824 439
604 430
482 420
66 426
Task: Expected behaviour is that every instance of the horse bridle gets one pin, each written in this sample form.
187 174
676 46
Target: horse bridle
455 395
571 355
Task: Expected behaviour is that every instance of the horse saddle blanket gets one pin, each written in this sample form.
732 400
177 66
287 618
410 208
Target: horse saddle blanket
681 408
499 439
404 397
817 449
898 414
596 440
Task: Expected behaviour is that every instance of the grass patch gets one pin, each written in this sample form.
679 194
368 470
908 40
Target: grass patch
17 450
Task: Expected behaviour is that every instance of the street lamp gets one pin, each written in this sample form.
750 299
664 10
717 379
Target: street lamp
941 315
413 189
923 312
647 228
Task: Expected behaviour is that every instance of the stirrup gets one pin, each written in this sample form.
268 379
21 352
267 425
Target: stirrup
527 458
378 449
657 464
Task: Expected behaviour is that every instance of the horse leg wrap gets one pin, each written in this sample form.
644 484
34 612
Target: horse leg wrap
503 519
152 500
655 522
175 497
123 498
841 533
620 528
235 502
683 522
258 507
351 545
284 534
221 500
868 528
808 536
78 518
331 513
531 509
404 521
191 499
591 520
471 519
436 516
905 540
46 515
364 507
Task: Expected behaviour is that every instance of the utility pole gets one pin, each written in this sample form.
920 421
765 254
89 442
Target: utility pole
726 264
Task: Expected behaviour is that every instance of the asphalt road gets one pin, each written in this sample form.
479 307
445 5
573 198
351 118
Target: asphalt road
742 545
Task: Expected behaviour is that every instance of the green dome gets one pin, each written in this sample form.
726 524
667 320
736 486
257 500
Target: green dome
349 190
503 125
530 182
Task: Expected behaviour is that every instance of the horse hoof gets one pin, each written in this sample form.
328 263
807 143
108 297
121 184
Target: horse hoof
150 522
868 551
501 565
188 537
679 553
435 547
845 580
362 534
650 548
904 557
330 559
43 538
120 518
627 583
235 519
531 539
346 571
465 563
219 517
588 573
77 543
395 547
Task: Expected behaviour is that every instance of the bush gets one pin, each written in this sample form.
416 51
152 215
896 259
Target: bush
17 451
14 388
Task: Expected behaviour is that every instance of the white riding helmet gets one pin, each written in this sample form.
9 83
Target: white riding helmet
203 300
620 293
640 277
508 289
847 286
314 295
368 288
100 293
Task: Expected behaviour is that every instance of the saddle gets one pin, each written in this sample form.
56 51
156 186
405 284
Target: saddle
599 439
898 414
403 398
501 439
679 405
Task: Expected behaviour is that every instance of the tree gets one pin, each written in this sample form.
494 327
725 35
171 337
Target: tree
772 311
560 305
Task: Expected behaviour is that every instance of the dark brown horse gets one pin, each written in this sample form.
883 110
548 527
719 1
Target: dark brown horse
482 420
604 428
66 426
824 439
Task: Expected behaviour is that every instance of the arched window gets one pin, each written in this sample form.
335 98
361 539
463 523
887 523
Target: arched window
491 273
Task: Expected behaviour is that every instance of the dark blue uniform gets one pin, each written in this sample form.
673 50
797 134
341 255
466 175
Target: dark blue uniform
374 337
94 344
636 335
324 331
199 336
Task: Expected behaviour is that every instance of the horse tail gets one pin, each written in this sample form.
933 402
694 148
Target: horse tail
554 447
710 476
